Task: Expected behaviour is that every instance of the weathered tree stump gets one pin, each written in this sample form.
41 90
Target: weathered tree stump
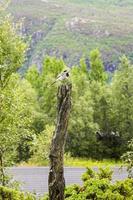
56 174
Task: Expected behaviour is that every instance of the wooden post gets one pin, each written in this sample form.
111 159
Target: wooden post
56 174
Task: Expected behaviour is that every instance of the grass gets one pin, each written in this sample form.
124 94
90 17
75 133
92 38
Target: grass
75 162
81 162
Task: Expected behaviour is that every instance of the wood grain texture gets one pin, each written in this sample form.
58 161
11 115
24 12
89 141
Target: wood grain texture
56 174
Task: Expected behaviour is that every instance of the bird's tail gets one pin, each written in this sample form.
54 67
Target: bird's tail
52 84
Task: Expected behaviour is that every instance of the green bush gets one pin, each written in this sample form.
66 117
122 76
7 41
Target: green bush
98 186
105 173
88 174
11 194
72 190
128 159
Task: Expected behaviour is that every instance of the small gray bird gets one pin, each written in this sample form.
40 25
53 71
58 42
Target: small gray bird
62 76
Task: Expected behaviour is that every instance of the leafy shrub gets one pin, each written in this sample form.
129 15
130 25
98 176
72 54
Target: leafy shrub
105 173
45 197
98 186
72 190
41 145
88 174
125 188
128 159
11 194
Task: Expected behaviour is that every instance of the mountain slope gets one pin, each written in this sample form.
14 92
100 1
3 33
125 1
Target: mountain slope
71 28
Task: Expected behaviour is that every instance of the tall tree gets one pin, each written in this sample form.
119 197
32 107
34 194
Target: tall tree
12 49
17 112
97 72
122 90
81 126
101 98
97 85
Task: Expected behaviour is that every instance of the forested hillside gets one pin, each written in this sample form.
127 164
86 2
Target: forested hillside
71 28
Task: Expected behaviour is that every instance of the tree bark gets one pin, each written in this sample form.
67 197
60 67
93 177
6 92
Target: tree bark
56 174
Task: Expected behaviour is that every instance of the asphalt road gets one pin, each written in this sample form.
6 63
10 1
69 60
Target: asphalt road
35 179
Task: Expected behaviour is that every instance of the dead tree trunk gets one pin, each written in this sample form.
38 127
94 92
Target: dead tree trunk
56 174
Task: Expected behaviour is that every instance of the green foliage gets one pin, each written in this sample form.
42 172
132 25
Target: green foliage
128 158
16 119
12 99
124 188
46 93
81 120
121 114
81 124
28 107
12 49
98 186
17 98
45 198
32 76
41 145
7 193
96 105
72 190
88 174
97 72
105 173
